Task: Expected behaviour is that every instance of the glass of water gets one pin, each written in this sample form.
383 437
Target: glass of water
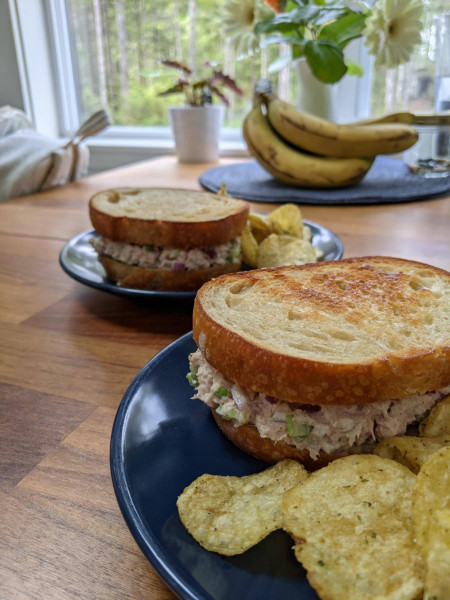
430 156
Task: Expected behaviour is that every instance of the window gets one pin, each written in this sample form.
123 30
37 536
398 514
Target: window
411 86
106 52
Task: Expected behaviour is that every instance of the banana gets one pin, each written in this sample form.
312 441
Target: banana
319 136
407 118
399 117
293 166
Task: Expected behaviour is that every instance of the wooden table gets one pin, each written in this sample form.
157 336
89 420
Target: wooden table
68 353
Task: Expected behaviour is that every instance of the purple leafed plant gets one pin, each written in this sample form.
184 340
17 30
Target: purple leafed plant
198 92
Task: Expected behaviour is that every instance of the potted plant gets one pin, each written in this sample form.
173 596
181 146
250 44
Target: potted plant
318 32
196 124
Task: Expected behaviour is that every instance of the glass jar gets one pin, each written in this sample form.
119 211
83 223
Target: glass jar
430 155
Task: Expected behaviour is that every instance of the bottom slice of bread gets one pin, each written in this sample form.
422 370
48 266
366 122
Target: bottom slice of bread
248 439
131 276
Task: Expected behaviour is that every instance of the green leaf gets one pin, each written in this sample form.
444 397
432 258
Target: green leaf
354 68
325 60
282 23
298 51
344 30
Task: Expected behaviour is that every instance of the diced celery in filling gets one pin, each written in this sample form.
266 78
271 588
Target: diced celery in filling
299 431
192 375
234 252
173 253
226 413
222 391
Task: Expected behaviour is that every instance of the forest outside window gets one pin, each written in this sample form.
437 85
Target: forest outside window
117 45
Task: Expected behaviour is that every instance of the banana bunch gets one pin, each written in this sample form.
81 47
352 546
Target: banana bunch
303 150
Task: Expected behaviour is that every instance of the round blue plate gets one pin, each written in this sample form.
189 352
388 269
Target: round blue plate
161 441
79 260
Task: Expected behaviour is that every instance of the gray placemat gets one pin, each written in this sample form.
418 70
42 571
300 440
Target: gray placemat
388 181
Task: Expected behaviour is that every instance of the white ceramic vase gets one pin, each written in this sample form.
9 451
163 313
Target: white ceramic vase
196 131
313 96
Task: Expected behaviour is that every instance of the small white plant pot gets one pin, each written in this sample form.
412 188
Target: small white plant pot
313 96
196 131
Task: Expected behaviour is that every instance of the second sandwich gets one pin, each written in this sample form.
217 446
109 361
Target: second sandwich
166 239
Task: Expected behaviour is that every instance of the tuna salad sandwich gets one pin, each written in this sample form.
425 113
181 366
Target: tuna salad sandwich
166 239
323 360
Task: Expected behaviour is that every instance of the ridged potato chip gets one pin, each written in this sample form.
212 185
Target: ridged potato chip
260 226
249 246
229 515
282 250
438 421
431 493
287 220
307 234
437 579
278 239
431 508
352 526
411 451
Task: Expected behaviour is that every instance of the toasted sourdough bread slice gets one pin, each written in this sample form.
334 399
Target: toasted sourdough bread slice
131 276
167 217
352 331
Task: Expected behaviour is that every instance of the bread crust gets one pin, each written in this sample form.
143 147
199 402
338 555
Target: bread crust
247 438
217 227
293 378
131 276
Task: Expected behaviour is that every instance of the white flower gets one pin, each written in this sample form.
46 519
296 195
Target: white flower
392 30
239 18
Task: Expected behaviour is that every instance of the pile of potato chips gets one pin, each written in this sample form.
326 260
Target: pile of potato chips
365 527
413 452
278 239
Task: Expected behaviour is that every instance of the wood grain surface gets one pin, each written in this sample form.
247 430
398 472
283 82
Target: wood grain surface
68 353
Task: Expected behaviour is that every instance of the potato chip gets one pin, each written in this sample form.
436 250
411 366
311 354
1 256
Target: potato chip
249 247
229 515
411 451
260 226
437 579
431 508
431 493
281 250
287 220
307 233
352 526
438 421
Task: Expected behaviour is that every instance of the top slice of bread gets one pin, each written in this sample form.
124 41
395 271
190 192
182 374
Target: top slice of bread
167 217
352 331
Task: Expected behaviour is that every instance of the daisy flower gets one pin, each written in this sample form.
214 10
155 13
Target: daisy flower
239 18
392 30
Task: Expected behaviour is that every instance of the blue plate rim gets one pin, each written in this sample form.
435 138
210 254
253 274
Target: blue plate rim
148 542
105 286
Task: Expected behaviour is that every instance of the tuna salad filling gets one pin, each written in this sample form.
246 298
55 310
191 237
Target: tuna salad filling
332 429
173 259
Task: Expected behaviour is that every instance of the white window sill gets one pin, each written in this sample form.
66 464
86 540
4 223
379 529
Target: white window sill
120 146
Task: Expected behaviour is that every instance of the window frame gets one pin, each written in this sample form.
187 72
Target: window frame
49 90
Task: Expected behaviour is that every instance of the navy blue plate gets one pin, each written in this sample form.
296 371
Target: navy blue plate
79 260
161 441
